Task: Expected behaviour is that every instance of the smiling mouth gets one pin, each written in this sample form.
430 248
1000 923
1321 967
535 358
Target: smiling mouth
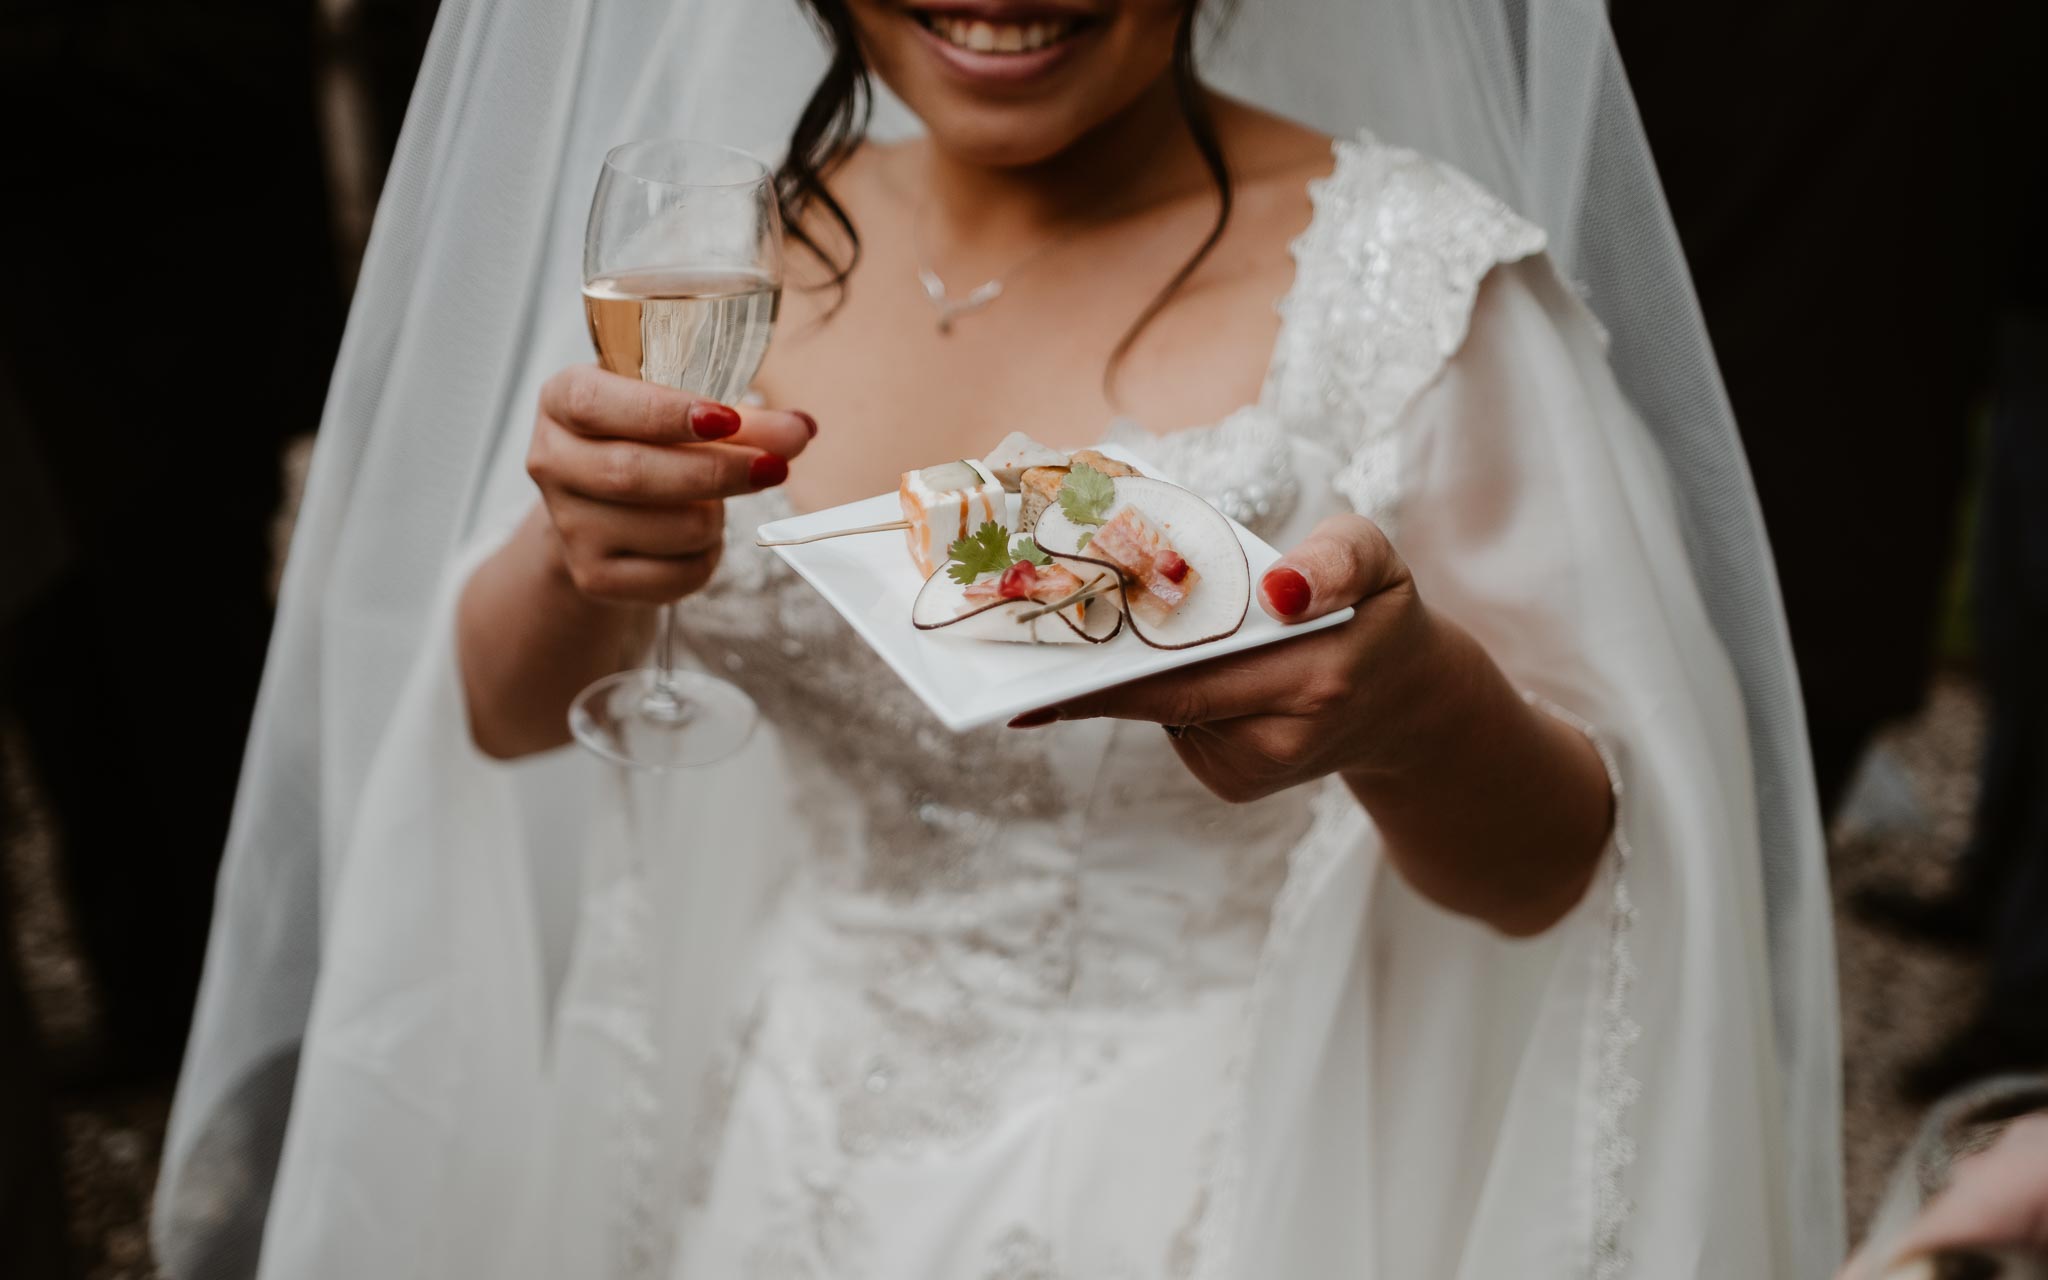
980 35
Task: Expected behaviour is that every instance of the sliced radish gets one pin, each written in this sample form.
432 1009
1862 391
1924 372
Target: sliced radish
942 605
1199 533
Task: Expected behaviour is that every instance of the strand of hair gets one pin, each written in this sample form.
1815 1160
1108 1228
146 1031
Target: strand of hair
1187 86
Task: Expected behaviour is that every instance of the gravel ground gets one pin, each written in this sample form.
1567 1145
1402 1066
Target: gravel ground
1905 824
1909 815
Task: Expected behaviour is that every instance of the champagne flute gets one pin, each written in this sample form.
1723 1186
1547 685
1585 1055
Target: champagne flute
682 278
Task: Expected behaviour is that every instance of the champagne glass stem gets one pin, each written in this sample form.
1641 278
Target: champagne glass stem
665 702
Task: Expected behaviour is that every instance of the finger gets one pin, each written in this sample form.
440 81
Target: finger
1345 560
644 579
613 530
592 401
1987 1262
1220 690
782 432
1998 1197
642 475
1296 677
1245 759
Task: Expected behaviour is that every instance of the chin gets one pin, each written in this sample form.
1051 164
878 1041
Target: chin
1016 82
1007 139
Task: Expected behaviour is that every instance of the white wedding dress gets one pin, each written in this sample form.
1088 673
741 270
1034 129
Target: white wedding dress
874 1001
871 1001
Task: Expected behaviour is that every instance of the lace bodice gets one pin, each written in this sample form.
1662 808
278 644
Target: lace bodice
1386 276
982 921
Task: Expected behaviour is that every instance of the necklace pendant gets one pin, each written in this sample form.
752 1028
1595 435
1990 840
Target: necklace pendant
935 289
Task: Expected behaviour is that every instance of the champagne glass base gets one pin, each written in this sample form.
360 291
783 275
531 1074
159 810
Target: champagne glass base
688 721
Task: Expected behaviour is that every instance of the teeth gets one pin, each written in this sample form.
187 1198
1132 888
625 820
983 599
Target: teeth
996 37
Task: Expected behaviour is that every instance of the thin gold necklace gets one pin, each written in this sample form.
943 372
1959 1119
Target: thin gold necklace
949 307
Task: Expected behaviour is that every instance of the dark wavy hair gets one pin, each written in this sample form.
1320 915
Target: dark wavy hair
836 119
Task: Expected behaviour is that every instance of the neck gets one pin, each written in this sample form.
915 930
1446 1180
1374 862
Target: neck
1142 156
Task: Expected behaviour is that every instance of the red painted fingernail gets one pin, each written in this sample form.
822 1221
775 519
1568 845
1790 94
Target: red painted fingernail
713 421
810 423
1033 719
1287 591
767 470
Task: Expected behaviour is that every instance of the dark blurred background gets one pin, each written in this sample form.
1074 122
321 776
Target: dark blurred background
193 185
1860 189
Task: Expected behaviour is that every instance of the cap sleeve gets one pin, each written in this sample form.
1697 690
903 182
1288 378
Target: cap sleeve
1386 277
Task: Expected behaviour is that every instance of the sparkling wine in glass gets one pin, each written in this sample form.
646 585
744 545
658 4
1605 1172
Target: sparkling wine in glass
682 271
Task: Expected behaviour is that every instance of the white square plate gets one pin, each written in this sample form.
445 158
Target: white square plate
971 683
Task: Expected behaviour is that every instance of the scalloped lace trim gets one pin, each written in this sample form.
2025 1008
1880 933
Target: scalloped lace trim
1617 1091
1386 277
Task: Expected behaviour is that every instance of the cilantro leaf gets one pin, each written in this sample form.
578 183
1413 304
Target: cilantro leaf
985 551
1086 495
1027 549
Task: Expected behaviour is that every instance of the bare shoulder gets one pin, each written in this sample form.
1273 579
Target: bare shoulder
1272 162
1270 151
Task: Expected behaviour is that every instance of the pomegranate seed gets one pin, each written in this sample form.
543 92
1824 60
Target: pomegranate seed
1017 581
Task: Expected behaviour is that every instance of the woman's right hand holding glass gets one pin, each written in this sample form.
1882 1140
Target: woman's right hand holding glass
633 479
634 476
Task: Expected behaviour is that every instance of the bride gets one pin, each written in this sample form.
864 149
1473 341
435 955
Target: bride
1477 936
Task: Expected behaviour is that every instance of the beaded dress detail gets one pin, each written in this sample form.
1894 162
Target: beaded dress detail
998 945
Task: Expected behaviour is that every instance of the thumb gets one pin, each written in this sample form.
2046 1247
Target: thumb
1345 560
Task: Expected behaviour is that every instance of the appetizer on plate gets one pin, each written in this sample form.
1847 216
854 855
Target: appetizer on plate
1041 485
943 504
1017 454
1092 543
993 588
1181 573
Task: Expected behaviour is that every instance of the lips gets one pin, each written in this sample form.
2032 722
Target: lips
1001 42
1001 35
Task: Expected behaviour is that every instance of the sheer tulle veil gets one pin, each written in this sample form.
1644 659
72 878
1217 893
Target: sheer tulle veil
516 104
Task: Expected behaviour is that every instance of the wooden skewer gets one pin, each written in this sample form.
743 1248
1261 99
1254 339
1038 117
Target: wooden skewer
835 533
1089 592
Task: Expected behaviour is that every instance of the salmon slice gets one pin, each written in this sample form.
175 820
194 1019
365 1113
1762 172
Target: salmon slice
1157 579
1044 583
